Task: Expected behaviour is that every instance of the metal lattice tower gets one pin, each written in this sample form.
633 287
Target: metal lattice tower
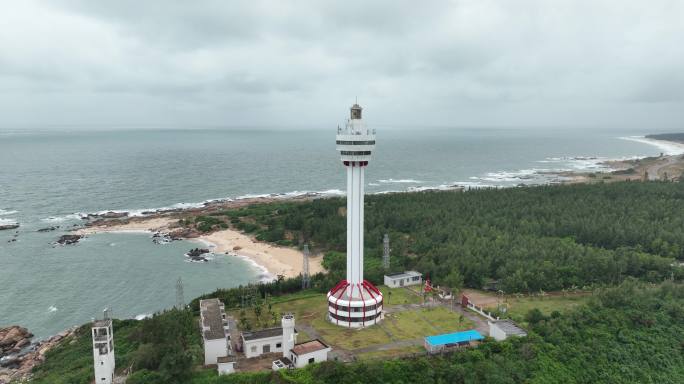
305 268
385 252
248 297
180 299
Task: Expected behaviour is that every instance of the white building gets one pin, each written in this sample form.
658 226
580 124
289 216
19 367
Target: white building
313 351
302 354
103 350
257 343
502 329
355 302
214 328
403 279
226 365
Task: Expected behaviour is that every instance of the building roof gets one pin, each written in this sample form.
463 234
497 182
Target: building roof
399 275
226 359
308 347
453 338
263 333
510 328
212 318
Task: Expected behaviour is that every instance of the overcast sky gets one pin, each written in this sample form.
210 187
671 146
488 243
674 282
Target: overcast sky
452 63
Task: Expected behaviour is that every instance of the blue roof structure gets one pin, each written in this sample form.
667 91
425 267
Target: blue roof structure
453 338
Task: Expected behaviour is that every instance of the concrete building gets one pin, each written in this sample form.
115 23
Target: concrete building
313 351
449 340
302 354
257 343
403 279
226 365
503 329
355 302
214 328
103 350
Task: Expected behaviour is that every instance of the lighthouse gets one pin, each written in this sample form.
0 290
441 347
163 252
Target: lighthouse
355 302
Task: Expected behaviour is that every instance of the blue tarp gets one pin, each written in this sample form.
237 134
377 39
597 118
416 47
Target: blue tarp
453 338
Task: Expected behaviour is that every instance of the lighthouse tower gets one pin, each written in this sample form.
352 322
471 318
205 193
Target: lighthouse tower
103 349
355 302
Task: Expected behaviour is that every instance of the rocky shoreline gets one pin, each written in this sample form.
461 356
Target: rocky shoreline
18 355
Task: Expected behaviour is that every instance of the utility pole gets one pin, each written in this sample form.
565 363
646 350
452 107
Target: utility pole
305 267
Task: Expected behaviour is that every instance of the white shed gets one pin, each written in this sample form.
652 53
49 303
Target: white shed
403 279
502 329
313 351
226 365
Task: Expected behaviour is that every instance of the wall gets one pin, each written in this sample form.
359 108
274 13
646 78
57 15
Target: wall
226 368
259 344
214 349
496 332
303 360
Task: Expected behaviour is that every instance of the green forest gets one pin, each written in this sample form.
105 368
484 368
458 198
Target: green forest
623 241
527 239
630 333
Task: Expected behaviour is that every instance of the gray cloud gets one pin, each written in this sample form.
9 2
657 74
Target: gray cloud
461 62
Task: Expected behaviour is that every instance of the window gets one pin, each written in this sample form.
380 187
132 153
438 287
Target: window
355 153
279 345
266 348
312 360
342 142
253 349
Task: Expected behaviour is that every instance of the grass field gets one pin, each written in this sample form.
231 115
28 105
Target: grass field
518 307
398 296
310 308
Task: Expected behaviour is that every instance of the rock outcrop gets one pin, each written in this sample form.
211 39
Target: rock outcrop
196 254
48 229
17 366
13 339
9 226
69 239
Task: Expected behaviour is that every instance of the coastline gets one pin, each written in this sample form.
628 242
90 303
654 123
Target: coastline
275 260
272 260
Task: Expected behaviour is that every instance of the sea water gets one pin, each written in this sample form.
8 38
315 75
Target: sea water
50 177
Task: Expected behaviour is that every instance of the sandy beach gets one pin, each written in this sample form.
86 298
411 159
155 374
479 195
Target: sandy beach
276 260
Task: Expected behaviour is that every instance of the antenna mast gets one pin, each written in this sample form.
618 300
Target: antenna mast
385 252
305 268
180 300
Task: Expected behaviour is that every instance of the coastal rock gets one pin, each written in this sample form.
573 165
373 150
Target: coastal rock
48 229
107 215
69 239
9 226
183 233
18 367
196 254
12 335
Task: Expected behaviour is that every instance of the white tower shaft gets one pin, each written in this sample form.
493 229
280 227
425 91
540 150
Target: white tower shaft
355 202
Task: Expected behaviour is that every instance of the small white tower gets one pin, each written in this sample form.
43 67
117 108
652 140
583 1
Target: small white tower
355 302
103 349
288 323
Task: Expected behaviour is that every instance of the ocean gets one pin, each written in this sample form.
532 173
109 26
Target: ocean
50 177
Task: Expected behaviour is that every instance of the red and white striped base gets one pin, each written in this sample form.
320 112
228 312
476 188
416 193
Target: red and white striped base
354 305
